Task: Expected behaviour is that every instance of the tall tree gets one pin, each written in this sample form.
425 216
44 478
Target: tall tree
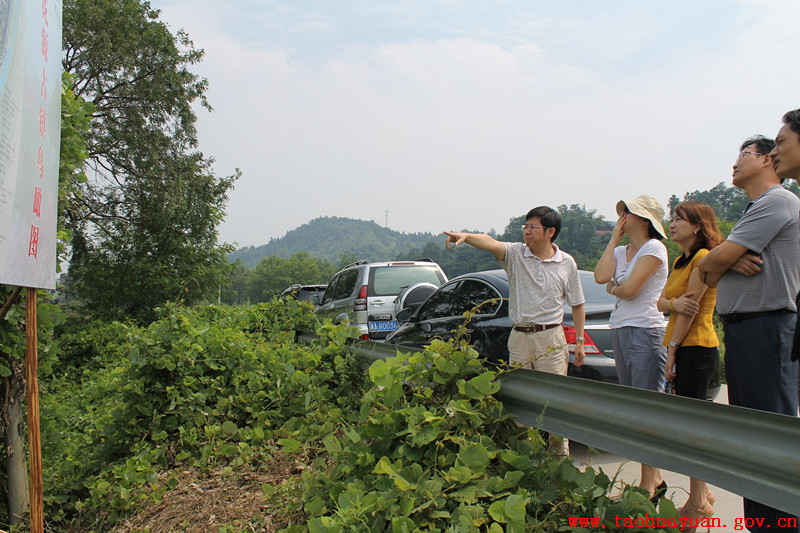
146 228
579 234
273 274
728 202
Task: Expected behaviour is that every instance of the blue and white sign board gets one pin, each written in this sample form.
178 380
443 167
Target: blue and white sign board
30 132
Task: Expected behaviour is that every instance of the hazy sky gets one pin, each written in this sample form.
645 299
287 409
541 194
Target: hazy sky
455 114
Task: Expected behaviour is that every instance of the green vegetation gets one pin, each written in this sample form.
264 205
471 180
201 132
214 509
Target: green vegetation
421 443
435 450
143 224
204 387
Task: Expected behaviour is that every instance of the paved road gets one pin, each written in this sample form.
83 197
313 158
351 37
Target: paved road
727 508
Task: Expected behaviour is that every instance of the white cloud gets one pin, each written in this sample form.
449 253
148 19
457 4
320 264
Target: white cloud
469 123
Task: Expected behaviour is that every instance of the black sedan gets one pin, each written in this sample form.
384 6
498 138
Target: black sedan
443 312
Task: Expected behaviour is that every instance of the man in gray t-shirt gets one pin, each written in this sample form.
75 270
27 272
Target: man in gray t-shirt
758 310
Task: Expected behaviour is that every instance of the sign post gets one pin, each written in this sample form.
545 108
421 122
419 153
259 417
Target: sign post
34 437
30 110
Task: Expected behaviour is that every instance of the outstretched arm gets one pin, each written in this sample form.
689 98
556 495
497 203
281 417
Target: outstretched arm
478 240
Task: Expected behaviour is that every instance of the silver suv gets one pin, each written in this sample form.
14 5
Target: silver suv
369 295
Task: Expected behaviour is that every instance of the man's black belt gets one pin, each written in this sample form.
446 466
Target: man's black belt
732 318
535 327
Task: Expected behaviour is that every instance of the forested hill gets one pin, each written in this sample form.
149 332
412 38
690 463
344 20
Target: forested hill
329 238
584 234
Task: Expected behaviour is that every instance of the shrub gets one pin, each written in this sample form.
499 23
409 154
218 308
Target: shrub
200 387
435 450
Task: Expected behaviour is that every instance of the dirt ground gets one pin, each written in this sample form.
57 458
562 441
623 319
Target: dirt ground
204 503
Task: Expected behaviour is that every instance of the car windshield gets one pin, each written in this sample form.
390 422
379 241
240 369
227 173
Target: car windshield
390 280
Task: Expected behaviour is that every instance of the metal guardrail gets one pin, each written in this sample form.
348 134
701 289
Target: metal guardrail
751 453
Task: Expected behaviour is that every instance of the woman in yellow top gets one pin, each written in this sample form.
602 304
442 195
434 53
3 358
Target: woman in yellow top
691 340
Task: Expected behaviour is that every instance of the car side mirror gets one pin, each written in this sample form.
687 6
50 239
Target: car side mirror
404 315
426 327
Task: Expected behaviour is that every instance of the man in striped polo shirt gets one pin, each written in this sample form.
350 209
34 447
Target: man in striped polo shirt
541 279
758 312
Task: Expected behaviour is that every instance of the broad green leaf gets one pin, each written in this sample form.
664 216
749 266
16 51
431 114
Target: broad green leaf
403 524
349 499
475 456
290 445
511 479
315 507
480 386
426 436
378 371
392 393
332 444
498 511
515 507
353 435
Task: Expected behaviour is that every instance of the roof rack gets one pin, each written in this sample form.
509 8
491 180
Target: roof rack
361 262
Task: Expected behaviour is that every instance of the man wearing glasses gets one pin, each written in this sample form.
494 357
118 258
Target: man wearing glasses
541 278
756 303
786 159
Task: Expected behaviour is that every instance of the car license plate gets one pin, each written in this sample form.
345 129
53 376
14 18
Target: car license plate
388 325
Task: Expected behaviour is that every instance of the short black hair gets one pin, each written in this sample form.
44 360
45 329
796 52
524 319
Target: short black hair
549 217
763 144
792 118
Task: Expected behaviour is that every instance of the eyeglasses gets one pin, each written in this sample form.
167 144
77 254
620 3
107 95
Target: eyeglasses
741 154
530 227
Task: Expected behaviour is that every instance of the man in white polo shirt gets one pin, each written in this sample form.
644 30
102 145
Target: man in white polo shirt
541 279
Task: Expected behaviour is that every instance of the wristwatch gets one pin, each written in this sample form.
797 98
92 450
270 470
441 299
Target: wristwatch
673 344
579 340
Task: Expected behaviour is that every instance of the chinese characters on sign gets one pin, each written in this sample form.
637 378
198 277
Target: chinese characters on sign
30 105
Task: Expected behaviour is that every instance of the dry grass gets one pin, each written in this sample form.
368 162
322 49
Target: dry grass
204 503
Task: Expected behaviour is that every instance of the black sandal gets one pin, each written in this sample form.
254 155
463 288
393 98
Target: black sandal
659 493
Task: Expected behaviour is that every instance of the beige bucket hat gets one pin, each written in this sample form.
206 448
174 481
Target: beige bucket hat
647 207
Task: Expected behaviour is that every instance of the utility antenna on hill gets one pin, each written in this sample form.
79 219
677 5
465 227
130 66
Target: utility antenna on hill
387 218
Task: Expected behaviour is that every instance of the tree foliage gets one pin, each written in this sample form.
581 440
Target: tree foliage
75 119
273 274
145 224
728 201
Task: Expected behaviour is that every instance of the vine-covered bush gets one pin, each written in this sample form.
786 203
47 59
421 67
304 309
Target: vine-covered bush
435 450
199 387
415 443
